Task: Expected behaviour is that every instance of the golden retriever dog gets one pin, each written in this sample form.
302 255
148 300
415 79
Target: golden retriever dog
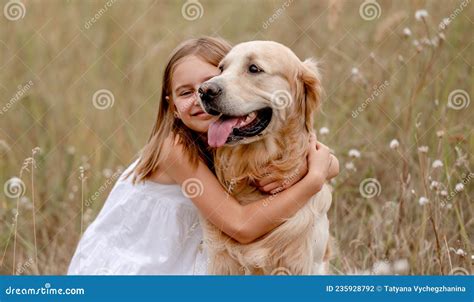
265 98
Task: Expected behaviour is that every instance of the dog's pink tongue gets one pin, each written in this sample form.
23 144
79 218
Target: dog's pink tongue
219 131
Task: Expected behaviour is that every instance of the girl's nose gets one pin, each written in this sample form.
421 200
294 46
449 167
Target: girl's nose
196 98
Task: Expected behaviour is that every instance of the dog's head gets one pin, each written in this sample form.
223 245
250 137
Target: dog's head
263 88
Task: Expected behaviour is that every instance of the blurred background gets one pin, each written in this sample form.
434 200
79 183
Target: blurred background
80 85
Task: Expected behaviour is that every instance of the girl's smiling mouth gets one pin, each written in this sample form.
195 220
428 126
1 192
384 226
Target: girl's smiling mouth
201 114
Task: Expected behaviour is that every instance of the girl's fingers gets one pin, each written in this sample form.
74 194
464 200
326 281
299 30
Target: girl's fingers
265 181
271 186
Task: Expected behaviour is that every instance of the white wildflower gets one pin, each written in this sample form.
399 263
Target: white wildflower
421 14
406 32
437 164
443 193
355 71
107 173
394 144
459 187
460 252
26 202
350 166
381 268
434 41
354 153
423 200
426 41
323 131
423 149
400 266
440 133
434 185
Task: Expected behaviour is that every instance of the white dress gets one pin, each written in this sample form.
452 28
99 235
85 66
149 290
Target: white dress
143 229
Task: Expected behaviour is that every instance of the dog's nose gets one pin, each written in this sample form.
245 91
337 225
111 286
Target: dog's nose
209 91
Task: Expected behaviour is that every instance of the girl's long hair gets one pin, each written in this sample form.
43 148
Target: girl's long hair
210 49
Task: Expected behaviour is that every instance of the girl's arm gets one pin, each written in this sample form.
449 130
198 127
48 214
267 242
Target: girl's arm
245 223
271 185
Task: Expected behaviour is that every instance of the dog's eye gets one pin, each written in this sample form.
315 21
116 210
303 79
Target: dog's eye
221 68
254 69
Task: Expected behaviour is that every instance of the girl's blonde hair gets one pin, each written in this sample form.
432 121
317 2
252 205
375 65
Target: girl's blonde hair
211 50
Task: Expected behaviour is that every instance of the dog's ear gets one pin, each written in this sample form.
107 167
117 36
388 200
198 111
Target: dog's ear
310 78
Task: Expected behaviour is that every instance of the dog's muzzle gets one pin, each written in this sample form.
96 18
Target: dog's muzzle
209 93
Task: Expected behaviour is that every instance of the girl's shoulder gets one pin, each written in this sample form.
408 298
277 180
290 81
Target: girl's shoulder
174 151
172 144
158 184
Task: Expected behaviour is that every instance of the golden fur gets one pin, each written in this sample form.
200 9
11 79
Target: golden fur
299 245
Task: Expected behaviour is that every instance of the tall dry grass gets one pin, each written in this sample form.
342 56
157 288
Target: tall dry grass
57 62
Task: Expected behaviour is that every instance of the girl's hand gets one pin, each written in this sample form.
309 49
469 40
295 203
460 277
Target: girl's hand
270 185
319 163
324 166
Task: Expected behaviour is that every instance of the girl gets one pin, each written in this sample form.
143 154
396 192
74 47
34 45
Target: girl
149 223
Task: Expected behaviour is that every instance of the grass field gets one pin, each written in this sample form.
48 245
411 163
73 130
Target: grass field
80 82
